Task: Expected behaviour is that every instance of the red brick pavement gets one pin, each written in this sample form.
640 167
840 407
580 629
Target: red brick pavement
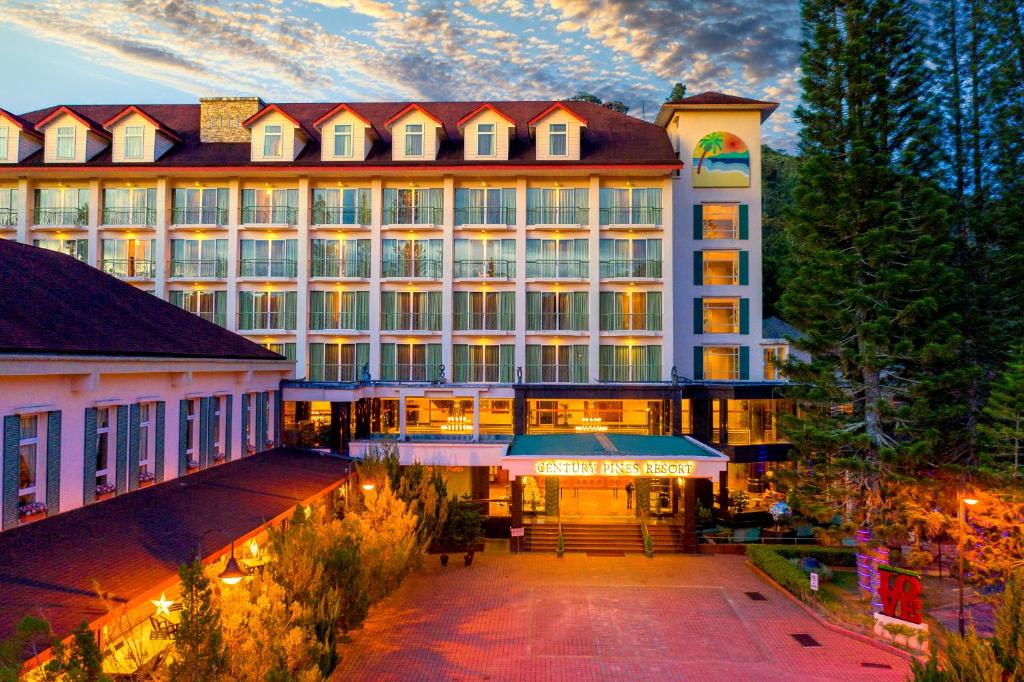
534 617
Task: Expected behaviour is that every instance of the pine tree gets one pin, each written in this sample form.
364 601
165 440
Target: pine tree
198 640
1003 428
677 94
1008 641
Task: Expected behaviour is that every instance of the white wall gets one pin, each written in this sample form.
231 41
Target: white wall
574 130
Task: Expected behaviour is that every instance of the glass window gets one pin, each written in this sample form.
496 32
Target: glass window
754 422
414 139
66 142
450 417
721 221
643 417
485 139
4 137
218 447
145 447
496 416
384 416
190 429
272 140
722 363
133 142
104 441
721 316
721 267
774 362
28 461
558 137
343 140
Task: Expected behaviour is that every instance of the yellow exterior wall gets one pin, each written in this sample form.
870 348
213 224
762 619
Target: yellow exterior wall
574 129
361 141
501 134
293 140
430 137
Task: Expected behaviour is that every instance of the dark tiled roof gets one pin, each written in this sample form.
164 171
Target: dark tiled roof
774 328
715 99
53 304
134 542
610 137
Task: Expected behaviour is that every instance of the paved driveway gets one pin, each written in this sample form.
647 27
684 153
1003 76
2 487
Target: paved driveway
535 617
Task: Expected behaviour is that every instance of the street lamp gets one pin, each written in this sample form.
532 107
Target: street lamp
232 573
368 487
964 503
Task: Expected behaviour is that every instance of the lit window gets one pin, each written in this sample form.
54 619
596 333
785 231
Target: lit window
144 447
133 142
722 363
215 431
104 472
190 429
721 267
558 139
774 362
3 142
28 461
414 139
66 143
721 316
721 221
485 139
272 140
343 140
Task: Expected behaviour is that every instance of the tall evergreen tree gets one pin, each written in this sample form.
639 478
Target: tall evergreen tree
1003 426
198 639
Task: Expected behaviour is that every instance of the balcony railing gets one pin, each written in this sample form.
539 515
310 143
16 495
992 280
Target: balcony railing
637 215
339 267
337 320
629 374
714 276
406 372
616 322
551 322
717 228
126 268
199 216
630 269
486 321
557 215
262 267
485 215
413 215
8 217
132 215
269 321
411 267
413 322
206 269
557 269
485 269
343 373
269 215
551 374
61 216
218 317
470 373
341 215
721 327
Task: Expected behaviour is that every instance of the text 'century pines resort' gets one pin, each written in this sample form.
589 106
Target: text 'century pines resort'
557 303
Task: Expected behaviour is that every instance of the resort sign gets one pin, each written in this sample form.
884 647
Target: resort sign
653 468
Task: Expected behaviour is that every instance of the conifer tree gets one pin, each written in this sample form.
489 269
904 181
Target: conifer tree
198 640
1004 415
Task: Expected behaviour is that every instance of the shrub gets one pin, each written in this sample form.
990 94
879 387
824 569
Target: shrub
830 556
971 659
780 570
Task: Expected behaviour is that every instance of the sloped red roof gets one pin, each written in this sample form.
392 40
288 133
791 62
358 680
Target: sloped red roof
486 106
132 109
80 117
556 105
318 123
715 99
273 108
23 125
53 304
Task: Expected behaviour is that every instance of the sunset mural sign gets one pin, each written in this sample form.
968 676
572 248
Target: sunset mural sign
721 159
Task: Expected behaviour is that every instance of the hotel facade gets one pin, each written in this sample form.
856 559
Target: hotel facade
514 290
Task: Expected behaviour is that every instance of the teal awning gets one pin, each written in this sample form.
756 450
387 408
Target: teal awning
611 446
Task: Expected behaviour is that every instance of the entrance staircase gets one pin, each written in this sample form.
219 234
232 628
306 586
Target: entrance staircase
602 537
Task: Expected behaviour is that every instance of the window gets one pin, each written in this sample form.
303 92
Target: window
721 221
558 139
218 449
104 441
199 258
483 363
145 424
343 140
557 364
721 268
206 206
774 362
414 139
66 143
190 430
77 248
126 258
485 139
485 206
721 316
272 141
413 206
557 206
337 361
28 462
722 363
3 142
629 363
630 310
641 417
751 422
133 142
447 416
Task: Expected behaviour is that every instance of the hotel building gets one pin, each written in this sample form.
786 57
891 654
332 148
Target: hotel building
451 275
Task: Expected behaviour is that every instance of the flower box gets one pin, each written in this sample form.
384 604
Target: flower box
105 491
103 496
33 511
146 478
192 464
219 457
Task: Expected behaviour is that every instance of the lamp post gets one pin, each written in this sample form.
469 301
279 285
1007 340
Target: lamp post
964 503
232 573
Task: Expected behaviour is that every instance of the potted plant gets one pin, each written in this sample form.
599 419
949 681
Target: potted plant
465 527
192 464
33 511
648 546
560 545
105 490
146 478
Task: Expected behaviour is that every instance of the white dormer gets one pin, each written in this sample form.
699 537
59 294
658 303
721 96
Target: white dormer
345 135
557 131
70 137
137 137
18 140
486 132
416 134
276 136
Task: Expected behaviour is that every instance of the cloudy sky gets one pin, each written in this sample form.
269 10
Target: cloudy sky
153 51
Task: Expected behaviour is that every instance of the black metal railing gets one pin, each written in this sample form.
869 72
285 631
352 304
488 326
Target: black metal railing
339 267
413 215
199 216
61 216
269 215
557 215
485 215
338 320
129 268
325 372
8 217
341 215
557 269
263 267
486 321
477 373
630 269
249 320
636 215
412 322
485 269
411 267
117 215
198 268
618 322
407 372
550 322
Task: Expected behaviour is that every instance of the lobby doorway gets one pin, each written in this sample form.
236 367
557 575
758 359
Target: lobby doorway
598 496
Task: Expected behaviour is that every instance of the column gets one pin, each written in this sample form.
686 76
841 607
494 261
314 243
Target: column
690 515
476 417
94 222
234 214
376 217
26 208
302 285
401 418
595 279
520 352
551 495
723 489
515 505
160 240
448 252
668 354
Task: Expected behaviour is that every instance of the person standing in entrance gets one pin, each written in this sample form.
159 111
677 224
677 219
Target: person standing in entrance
629 495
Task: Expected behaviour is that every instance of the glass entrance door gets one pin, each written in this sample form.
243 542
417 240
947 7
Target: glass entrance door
596 496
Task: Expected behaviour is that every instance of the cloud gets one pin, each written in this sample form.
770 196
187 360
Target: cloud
370 8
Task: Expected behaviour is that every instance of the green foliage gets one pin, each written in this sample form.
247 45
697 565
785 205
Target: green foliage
465 524
1008 642
927 671
612 104
198 642
778 182
31 637
829 556
971 659
780 570
79 661
1003 425
678 93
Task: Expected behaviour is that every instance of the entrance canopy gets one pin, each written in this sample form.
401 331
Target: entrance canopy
610 454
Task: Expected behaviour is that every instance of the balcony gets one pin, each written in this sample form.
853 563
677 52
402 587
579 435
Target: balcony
484 322
198 269
477 373
630 322
274 321
557 216
212 216
407 372
626 217
631 269
269 215
412 322
411 268
485 216
338 320
342 373
413 216
8 218
557 269
129 268
485 269
556 322
61 217
339 268
267 268
218 317
114 216
341 215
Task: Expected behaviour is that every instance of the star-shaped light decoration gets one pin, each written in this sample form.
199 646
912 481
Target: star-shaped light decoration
163 604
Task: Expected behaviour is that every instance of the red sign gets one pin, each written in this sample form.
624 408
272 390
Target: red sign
900 593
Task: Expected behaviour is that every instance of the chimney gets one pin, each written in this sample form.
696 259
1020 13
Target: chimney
221 118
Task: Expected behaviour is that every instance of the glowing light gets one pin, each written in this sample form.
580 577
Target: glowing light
970 501
254 548
368 487
163 604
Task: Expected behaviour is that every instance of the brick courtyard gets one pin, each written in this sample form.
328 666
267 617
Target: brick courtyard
535 617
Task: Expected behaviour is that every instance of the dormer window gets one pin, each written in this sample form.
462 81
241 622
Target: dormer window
414 139
485 139
66 143
558 139
272 140
133 142
343 140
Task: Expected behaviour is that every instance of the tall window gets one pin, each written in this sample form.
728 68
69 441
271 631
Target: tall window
128 258
270 206
413 206
133 142
558 139
204 206
272 140
194 258
268 258
485 139
774 362
66 143
104 442
129 206
339 258
8 207
64 206
485 206
209 305
721 363
190 430
721 267
721 316
28 461
341 206
343 140
77 248
721 221
145 422
218 450
414 139
409 361
4 137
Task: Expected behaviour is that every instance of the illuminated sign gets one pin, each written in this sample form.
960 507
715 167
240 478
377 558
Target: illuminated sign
900 592
655 468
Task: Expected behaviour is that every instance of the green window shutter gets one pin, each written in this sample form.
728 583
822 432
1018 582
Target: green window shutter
654 311
506 363
204 427
134 420
698 363
698 316
388 314
744 268
698 268
220 308
89 464
460 310
290 302
433 361
245 424
158 455
744 363
744 316
276 411
507 310
228 405
387 362
53 431
533 353
744 221
607 303
182 437
259 437
11 469
698 221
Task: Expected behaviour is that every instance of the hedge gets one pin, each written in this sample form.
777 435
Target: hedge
770 560
830 556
